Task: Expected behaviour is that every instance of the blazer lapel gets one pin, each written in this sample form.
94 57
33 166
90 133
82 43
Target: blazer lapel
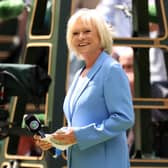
89 77
70 92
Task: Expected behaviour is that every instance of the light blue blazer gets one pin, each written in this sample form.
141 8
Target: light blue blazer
102 112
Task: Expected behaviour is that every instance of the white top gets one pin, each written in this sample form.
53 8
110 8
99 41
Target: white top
76 90
157 63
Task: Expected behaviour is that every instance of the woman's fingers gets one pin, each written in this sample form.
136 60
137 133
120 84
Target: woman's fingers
44 145
66 137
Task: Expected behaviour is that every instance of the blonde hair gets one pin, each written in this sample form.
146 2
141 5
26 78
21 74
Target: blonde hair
92 17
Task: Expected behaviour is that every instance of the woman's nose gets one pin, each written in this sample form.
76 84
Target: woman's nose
81 35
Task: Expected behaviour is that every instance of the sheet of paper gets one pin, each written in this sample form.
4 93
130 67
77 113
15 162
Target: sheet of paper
57 144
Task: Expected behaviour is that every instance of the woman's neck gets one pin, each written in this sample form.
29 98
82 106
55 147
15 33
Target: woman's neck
91 59
89 62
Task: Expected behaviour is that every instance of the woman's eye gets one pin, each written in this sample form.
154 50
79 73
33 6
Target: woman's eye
75 33
87 31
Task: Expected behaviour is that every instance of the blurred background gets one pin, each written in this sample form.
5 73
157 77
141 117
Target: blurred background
36 70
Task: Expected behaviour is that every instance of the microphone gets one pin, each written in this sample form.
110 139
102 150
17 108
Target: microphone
34 126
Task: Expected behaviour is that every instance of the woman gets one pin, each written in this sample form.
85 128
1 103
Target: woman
98 105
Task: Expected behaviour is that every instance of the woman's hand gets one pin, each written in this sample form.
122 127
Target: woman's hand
41 143
65 136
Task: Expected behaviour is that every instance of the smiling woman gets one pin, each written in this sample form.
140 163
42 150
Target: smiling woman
89 26
98 106
85 41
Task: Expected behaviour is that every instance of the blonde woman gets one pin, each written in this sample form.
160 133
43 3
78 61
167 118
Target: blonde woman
98 105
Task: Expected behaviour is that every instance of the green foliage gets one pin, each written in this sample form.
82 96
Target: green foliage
11 8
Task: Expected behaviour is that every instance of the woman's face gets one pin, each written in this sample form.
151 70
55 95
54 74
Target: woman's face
85 38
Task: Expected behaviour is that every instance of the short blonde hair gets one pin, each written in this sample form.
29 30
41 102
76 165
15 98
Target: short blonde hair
92 17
